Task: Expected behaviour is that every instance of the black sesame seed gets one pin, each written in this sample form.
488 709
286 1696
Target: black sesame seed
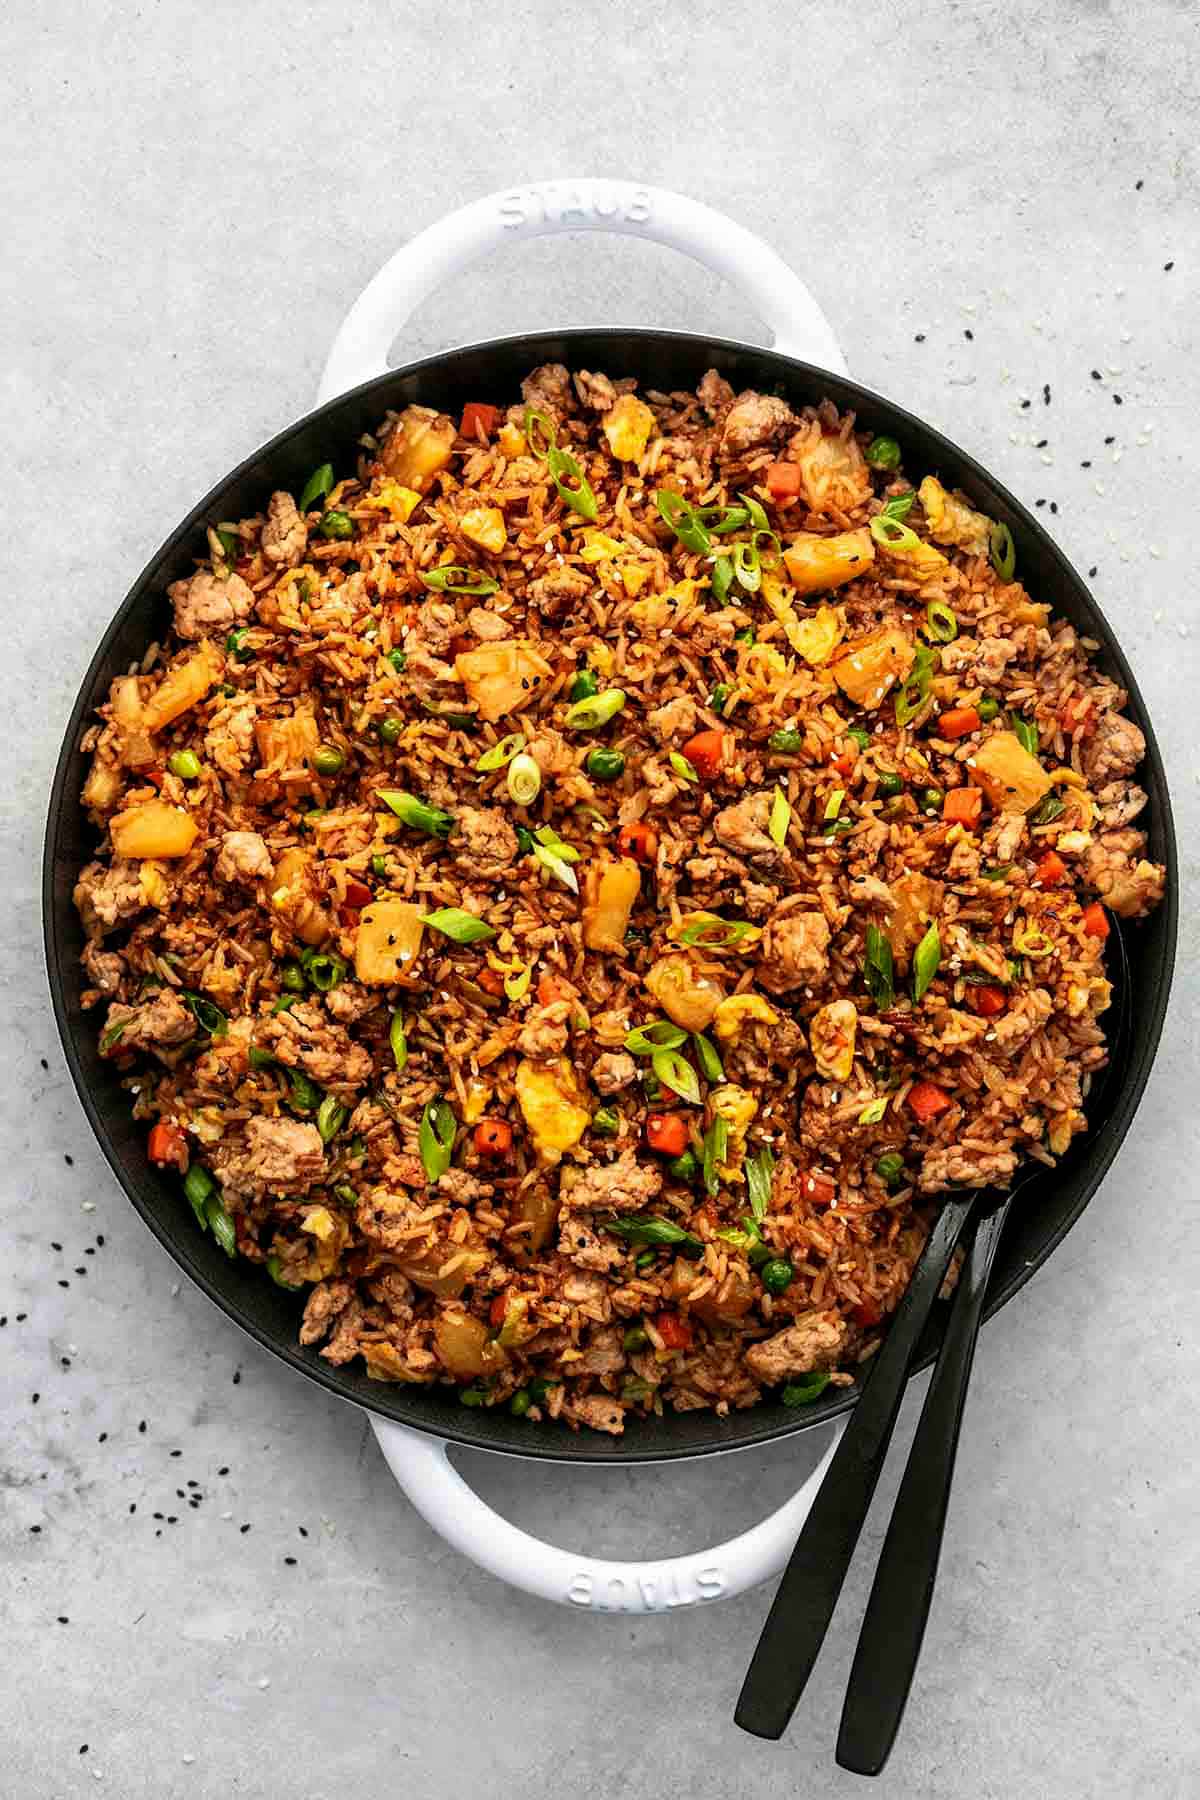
969 335
100 1239
290 1561
82 1269
1093 572
158 1515
302 1531
69 1160
1054 506
920 338
237 1376
243 1529
1110 440
83 1749
1138 186
44 1063
1039 503
1046 393
64 1283
1117 400
1096 375
65 1361
36 1530
63 1619
1086 464
1041 443
55 1246
142 1425
177 1453
179 1494
21 1317
1168 267
193 1484
133 1506
3 1319
224 1470
88 1250
34 1398
172 1519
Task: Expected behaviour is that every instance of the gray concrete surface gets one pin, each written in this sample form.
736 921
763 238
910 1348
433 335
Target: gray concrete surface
194 194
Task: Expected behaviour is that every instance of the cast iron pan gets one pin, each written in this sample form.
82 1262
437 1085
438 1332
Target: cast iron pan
1043 1214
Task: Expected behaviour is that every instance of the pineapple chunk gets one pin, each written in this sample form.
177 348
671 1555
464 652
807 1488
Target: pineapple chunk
484 525
831 1037
502 678
292 900
610 890
816 563
951 520
181 687
388 938
737 1107
155 828
287 742
872 665
102 789
817 638
127 703
687 996
465 1347
917 900
627 426
422 1270
419 446
398 502
916 557
1009 775
511 440
548 1096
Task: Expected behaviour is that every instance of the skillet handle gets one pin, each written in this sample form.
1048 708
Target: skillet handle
543 208
588 1583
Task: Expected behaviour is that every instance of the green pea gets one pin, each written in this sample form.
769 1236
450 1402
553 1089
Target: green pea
336 525
645 1259
890 1169
635 1339
719 696
605 765
379 865
883 453
539 1387
745 636
390 729
685 1167
988 709
583 687
398 660
931 799
857 735
520 1403
606 1121
185 764
328 759
890 784
786 743
473 1397
293 978
776 1275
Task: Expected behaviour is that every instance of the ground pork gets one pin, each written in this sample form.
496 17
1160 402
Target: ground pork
488 626
208 605
621 1186
613 1071
108 895
1120 802
103 968
160 1025
545 1030
324 1303
742 828
276 1156
677 719
348 1002
794 948
553 595
284 535
811 1342
1114 750
1126 882
597 1411
754 419
952 1166
714 393
596 392
460 1187
304 1038
243 857
436 626
484 841
582 1244
229 739
548 390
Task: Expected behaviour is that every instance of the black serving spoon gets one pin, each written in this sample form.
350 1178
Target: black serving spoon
893 1627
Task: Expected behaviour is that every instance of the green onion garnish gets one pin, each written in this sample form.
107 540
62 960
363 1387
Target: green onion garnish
502 753
1046 810
723 519
722 578
858 736
786 743
644 1040
306 1095
220 1224
803 1393
883 453
556 865
546 834
435 1138
926 961
398 660
210 1018
597 710
1026 734
685 770
275 1271
676 1073
453 578
524 779
758 517
331 1116
319 483
833 805
716 1145
747 567
873 1111
879 968
198 1184
325 972
684 520
913 696
260 1059
110 1037
713 933
415 813
759 1170
780 819
719 696
459 926
645 1228
887 530
398 1041
335 524
711 1066
575 493
539 426
1001 872
900 505
940 622
1002 551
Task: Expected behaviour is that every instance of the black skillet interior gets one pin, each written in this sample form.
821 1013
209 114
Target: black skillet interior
1041 1216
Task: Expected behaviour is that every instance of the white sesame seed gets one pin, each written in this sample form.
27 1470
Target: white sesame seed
188 1757
1119 292
1125 556
1098 487
88 1206
1116 456
1184 628
1037 325
1046 457
1155 551
264 1681
1014 437
1158 615
1113 368
1127 337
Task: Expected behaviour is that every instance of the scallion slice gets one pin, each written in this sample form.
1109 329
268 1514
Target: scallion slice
940 622
597 710
716 1146
435 1138
398 1041
873 1111
331 1116
722 578
502 753
759 1170
554 865
888 531
459 926
575 492
711 1066
676 1073
221 1225
454 578
416 813
780 819
524 779
926 961
685 770
645 1040
319 483
1026 733
710 932
210 1018
879 968
1003 551
685 521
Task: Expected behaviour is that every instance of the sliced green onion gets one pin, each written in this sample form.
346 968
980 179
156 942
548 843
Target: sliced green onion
684 520
583 686
858 736
259 1058
711 1066
647 1228
900 505
198 1184
722 578
940 622
539 425
722 519
577 493
338 525
319 483
111 1036
228 541
887 530
210 1018
555 865
398 1041
235 644
645 1259
459 926
285 1003
453 721
758 517
747 635
716 1146
221 1225
685 770
185 764
833 805
292 978
398 660
1001 872
676 1073
416 814
913 696
546 834
873 1111
501 753
345 1193
1002 551
275 1271
747 567
988 708
890 1168
803 1393
605 765
758 1170
331 1116
455 578
326 972
780 819
926 961
516 983
1046 810
306 1095
890 783
1026 734
883 453
597 710
524 780
328 759
719 696
435 1138
786 743
713 933
879 968
644 1040
607 1121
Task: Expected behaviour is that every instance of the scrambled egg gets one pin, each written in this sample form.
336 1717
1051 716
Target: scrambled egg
738 1011
548 1096
627 426
831 1036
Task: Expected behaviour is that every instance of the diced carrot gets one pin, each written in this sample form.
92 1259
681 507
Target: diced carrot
493 1137
987 1001
926 1100
675 1332
155 777
1095 920
1052 870
477 414
783 480
639 841
167 1146
1075 714
551 987
866 1313
818 1190
490 980
497 1310
844 763
667 1133
358 894
706 753
960 721
963 806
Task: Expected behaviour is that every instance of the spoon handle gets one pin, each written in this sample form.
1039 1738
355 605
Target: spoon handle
889 1643
812 1581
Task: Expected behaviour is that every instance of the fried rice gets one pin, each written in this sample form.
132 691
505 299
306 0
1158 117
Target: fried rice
573 891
